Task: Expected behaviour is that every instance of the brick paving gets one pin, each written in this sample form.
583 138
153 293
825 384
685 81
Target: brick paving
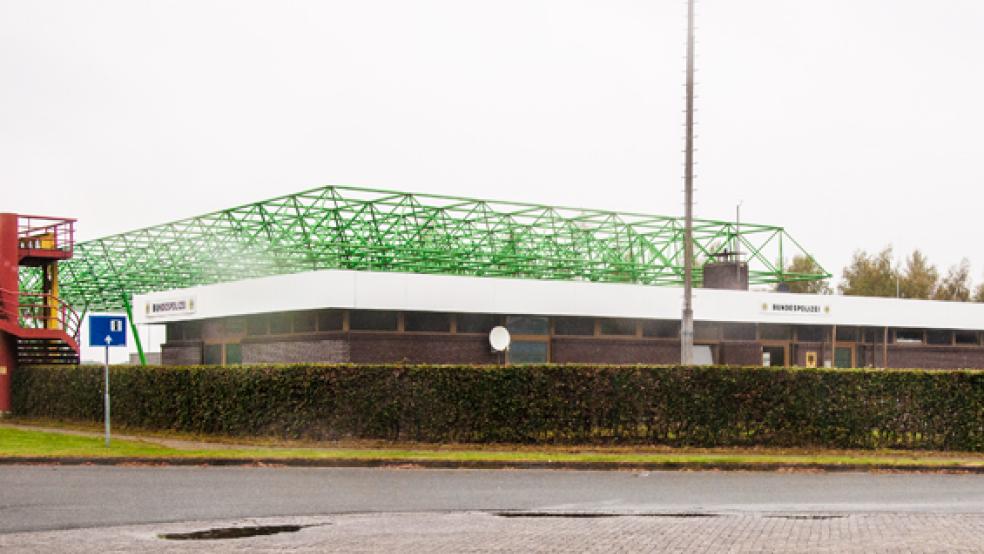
489 532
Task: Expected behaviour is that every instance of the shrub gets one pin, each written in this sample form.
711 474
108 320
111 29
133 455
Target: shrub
692 406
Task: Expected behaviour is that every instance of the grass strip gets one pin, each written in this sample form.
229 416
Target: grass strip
19 443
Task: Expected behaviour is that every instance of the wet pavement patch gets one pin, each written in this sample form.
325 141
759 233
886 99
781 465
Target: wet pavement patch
222 533
590 515
809 517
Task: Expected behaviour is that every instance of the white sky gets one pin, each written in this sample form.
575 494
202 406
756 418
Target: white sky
853 123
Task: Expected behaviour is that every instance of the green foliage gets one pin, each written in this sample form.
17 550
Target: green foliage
870 275
919 279
682 406
806 265
956 285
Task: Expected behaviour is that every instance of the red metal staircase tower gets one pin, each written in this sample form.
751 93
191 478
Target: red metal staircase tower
35 327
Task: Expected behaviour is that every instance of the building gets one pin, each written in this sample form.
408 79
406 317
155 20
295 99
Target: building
338 274
368 317
36 326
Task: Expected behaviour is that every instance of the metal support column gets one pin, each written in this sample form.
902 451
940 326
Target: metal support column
687 319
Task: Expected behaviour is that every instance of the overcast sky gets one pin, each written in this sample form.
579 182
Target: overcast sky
853 123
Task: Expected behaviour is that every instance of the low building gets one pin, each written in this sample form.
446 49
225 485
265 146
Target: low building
377 317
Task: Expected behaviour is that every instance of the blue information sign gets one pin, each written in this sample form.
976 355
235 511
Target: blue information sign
107 330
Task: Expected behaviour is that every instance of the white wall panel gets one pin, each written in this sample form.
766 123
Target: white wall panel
402 291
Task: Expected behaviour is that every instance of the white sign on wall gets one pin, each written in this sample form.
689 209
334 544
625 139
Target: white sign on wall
169 307
786 308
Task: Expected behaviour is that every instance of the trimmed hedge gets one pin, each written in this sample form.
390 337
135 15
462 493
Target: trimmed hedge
705 406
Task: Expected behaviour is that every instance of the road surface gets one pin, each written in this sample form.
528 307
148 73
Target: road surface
345 509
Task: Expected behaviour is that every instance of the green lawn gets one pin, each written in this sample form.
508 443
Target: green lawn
19 443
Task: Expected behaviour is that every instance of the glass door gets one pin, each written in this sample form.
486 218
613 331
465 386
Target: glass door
844 356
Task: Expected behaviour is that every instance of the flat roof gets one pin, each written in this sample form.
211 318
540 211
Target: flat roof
441 293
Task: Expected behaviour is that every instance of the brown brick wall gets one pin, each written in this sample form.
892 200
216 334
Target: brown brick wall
740 353
588 350
367 347
181 353
421 348
934 357
296 351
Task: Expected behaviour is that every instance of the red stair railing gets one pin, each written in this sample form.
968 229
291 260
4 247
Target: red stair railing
40 311
35 232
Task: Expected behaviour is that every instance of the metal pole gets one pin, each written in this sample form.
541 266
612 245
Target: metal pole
106 380
885 349
133 328
738 242
687 321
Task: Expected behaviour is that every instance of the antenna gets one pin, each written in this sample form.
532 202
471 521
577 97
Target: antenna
499 338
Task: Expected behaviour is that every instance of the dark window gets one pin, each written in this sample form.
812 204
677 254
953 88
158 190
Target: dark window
235 324
427 322
966 337
372 320
191 330
280 324
527 325
528 352
812 333
908 335
871 335
330 320
738 331
212 354
477 323
706 330
661 329
304 322
617 326
233 354
938 336
174 332
847 334
257 325
769 331
581 326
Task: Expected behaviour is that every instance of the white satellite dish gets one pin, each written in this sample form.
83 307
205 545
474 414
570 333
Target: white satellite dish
499 338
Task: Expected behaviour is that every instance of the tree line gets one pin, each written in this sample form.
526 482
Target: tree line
878 274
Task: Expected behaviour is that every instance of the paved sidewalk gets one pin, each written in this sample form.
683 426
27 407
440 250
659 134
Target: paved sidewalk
492 532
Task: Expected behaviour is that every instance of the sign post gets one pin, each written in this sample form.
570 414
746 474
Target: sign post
108 332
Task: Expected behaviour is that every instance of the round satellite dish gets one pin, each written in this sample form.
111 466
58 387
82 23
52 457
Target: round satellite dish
499 338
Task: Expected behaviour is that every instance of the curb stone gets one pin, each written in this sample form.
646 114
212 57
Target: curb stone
487 464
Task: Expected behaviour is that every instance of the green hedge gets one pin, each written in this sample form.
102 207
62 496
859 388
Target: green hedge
706 406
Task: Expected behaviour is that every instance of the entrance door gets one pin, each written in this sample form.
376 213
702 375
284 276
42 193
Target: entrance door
844 356
774 356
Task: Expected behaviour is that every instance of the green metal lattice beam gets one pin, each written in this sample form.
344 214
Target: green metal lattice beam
378 230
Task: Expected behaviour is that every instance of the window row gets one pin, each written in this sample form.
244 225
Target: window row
311 321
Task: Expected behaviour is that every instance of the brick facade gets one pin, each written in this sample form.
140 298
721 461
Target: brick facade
590 350
739 353
420 348
296 351
181 353
397 345
936 357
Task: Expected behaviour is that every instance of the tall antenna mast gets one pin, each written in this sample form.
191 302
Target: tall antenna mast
687 321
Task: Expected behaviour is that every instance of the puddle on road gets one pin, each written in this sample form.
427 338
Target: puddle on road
222 533
587 515
811 517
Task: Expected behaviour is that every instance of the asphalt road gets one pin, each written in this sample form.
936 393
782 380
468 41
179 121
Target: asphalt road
35 498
